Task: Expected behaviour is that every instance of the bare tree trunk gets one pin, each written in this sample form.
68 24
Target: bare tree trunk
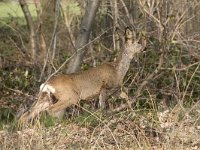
83 36
41 40
115 14
30 25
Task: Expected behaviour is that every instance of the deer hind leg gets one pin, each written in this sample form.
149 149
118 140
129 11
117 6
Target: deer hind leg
60 114
63 102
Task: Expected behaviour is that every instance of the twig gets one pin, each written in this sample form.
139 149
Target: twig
18 35
52 40
182 69
189 82
127 13
68 59
139 90
16 91
67 24
23 53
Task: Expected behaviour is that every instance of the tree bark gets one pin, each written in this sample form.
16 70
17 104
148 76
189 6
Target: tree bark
30 25
42 47
83 36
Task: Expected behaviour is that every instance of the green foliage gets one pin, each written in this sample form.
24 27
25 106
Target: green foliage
18 78
6 116
47 120
16 82
84 66
87 119
73 8
13 10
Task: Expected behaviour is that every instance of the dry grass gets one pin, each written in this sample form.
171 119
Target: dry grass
128 130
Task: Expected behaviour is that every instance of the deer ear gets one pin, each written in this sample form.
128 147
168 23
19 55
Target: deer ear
130 33
128 30
119 31
119 34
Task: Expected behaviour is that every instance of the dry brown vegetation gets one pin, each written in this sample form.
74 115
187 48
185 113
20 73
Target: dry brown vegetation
162 83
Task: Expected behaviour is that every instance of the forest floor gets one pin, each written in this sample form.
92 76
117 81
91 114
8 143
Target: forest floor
169 128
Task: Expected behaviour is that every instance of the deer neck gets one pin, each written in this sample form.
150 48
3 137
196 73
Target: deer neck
122 64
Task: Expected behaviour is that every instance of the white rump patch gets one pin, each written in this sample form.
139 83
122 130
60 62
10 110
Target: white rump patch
47 88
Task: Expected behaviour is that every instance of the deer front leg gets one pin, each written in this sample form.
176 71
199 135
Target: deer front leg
104 95
102 98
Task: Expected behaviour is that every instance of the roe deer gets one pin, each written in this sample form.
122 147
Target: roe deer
62 91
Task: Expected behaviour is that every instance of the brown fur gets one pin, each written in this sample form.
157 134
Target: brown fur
98 81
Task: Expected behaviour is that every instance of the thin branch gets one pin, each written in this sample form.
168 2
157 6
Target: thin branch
31 27
142 85
182 69
74 54
52 42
